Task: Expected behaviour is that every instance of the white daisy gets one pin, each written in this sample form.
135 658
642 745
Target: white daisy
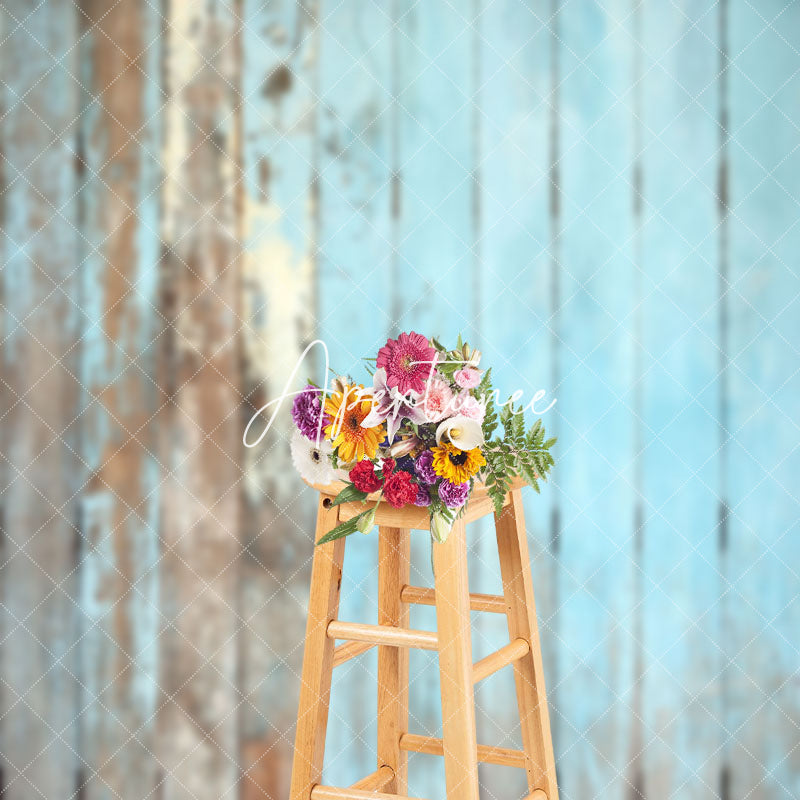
312 462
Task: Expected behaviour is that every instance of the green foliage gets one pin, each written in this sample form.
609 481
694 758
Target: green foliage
511 450
518 452
344 528
348 495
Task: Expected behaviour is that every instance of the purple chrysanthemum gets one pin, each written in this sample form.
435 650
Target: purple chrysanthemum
423 466
423 496
454 495
307 410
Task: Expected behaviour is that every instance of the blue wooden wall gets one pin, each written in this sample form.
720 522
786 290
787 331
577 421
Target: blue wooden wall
602 196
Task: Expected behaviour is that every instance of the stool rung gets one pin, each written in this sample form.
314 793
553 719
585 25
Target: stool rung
494 604
332 793
495 661
344 652
376 781
383 634
487 754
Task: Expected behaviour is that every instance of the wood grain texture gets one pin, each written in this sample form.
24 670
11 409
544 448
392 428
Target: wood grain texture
455 665
40 466
413 517
387 635
344 652
394 567
279 48
516 281
435 161
332 793
761 576
315 686
201 445
493 604
596 359
486 753
356 186
553 180
376 781
506 655
120 582
354 210
512 546
676 733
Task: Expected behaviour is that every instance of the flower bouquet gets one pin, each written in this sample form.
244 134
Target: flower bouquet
423 434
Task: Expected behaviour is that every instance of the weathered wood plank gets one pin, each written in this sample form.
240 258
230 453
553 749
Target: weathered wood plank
675 746
596 363
762 580
201 442
355 148
434 267
119 503
40 468
279 43
433 279
393 571
515 282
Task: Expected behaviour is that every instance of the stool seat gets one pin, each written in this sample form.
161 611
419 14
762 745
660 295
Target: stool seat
416 518
452 641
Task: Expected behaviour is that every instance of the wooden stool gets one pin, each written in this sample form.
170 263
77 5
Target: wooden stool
458 674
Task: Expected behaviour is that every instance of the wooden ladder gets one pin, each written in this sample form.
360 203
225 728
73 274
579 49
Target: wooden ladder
452 640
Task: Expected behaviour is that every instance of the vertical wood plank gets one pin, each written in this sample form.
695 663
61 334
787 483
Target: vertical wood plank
200 702
512 545
594 476
119 504
677 747
394 552
432 287
315 686
761 288
433 268
354 151
515 283
280 60
40 468
357 188
455 665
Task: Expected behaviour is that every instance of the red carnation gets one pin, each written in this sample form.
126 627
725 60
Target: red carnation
364 478
388 467
399 490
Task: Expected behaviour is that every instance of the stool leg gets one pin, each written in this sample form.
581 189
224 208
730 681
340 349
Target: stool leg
315 686
512 545
393 573
455 666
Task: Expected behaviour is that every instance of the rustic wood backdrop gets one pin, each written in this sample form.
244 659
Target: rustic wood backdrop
600 194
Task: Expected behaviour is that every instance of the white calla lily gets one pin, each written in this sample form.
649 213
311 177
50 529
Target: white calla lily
463 432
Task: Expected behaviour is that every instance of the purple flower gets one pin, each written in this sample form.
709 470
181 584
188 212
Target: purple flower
307 410
454 495
423 497
406 463
423 466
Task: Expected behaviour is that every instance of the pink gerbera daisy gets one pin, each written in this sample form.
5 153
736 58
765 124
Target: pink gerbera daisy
407 361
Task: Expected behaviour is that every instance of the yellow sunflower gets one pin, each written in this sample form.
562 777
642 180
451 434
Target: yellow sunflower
457 466
346 410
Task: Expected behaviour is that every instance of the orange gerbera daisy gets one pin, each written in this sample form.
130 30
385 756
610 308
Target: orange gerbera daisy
347 409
